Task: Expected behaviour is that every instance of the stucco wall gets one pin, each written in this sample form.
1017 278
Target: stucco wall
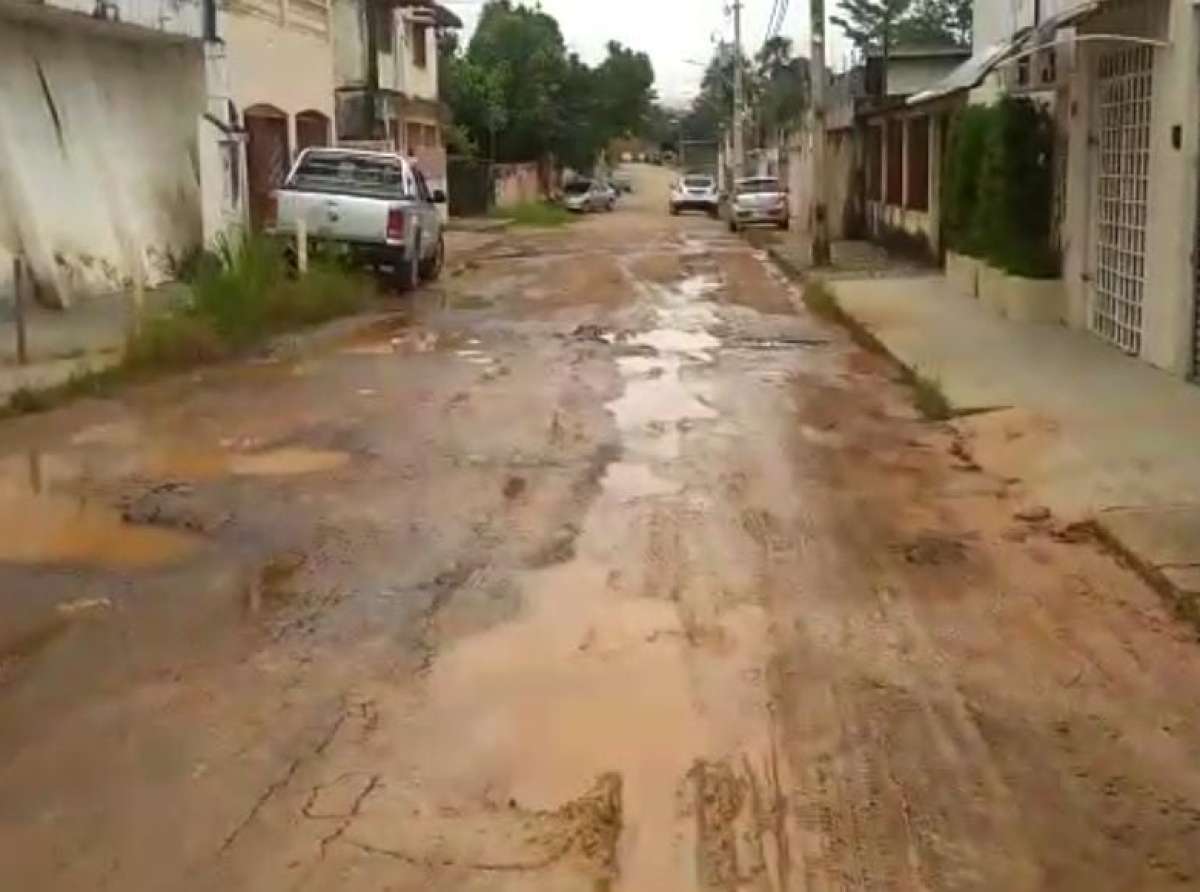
112 188
517 184
285 67
907 76
171 17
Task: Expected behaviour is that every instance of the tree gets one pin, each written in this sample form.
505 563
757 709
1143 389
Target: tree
871 24
937 22
518 94
781 86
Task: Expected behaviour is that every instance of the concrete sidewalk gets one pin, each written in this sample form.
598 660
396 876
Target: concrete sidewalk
1093 433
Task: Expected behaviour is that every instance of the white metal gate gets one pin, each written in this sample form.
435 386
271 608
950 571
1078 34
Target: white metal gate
1122 184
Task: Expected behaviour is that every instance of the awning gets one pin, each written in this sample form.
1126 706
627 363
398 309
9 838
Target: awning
1046 32
970 74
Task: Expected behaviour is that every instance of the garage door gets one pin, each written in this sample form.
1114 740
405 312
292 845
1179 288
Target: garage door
1122 188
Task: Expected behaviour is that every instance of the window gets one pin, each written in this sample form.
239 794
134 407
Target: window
431 136
874 173
420 44
895 162
918 164
385 29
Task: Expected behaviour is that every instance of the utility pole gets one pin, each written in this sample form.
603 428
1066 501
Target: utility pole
819 221
739 95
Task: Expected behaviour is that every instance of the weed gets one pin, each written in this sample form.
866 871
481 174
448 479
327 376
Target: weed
537 213
928 396
174 340
24 401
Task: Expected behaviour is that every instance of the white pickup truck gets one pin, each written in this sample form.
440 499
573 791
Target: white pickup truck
375 203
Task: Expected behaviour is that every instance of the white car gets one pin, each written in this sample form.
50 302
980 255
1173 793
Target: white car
695 192
582 196
759 200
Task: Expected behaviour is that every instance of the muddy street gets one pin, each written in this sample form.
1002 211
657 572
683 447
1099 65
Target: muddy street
603 565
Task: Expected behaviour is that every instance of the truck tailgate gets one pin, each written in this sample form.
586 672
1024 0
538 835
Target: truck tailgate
340 217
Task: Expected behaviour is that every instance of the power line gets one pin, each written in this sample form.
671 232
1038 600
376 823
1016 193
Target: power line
772 25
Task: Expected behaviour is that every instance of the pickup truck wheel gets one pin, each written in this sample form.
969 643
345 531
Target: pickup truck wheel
432 268
408 272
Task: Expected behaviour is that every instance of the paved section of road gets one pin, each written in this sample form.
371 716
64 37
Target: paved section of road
602 566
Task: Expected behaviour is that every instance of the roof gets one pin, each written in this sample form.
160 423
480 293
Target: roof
972 72
925 51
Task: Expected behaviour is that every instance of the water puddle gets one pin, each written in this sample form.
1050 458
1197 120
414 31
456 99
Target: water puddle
287 462
628 481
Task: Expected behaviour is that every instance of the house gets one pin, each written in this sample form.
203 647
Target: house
882 155
386 70
277 57
1120 78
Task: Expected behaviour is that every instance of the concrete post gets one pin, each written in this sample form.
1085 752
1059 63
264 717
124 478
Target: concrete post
301 246
19 308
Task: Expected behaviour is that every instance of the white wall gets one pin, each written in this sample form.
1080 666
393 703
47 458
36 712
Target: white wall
419 83
114 189
907 76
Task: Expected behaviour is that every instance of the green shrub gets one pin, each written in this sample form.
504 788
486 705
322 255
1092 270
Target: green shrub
326 292
536 213
960 185
174 340
998 187
233 295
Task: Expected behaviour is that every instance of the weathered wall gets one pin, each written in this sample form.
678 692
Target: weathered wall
517 184
183 18
99 170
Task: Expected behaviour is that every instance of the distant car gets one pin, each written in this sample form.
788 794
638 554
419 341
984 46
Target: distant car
582 196
695 192
758 200
623 181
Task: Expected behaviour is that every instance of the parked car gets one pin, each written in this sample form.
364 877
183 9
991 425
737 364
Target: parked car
623 181
582 196
375 203
695 192
758 200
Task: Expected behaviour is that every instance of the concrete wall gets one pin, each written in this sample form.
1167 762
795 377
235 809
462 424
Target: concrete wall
285 63
1169 296
183 18
908 76
99 163
349 43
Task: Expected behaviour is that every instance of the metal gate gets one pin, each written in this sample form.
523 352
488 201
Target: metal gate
1122 185
472 190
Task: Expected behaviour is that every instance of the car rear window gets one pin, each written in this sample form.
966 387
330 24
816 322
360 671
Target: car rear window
578 187
698 182
350 174
758 185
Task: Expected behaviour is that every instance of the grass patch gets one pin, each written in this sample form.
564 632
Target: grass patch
928 396
536 213
243 293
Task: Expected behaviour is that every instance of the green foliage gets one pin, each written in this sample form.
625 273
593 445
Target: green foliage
1010 223
874 26
781 86
518 95
247 295
536 213
960 182
871 24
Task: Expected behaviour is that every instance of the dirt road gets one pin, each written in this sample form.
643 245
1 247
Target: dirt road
601 566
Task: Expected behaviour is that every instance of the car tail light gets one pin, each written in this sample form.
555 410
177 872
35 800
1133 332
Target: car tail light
395 225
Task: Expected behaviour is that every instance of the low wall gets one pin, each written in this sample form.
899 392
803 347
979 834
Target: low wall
517 184
902 230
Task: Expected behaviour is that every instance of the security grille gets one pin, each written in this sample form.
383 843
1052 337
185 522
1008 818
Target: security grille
1122 188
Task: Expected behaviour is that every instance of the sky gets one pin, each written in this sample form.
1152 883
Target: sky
674 33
